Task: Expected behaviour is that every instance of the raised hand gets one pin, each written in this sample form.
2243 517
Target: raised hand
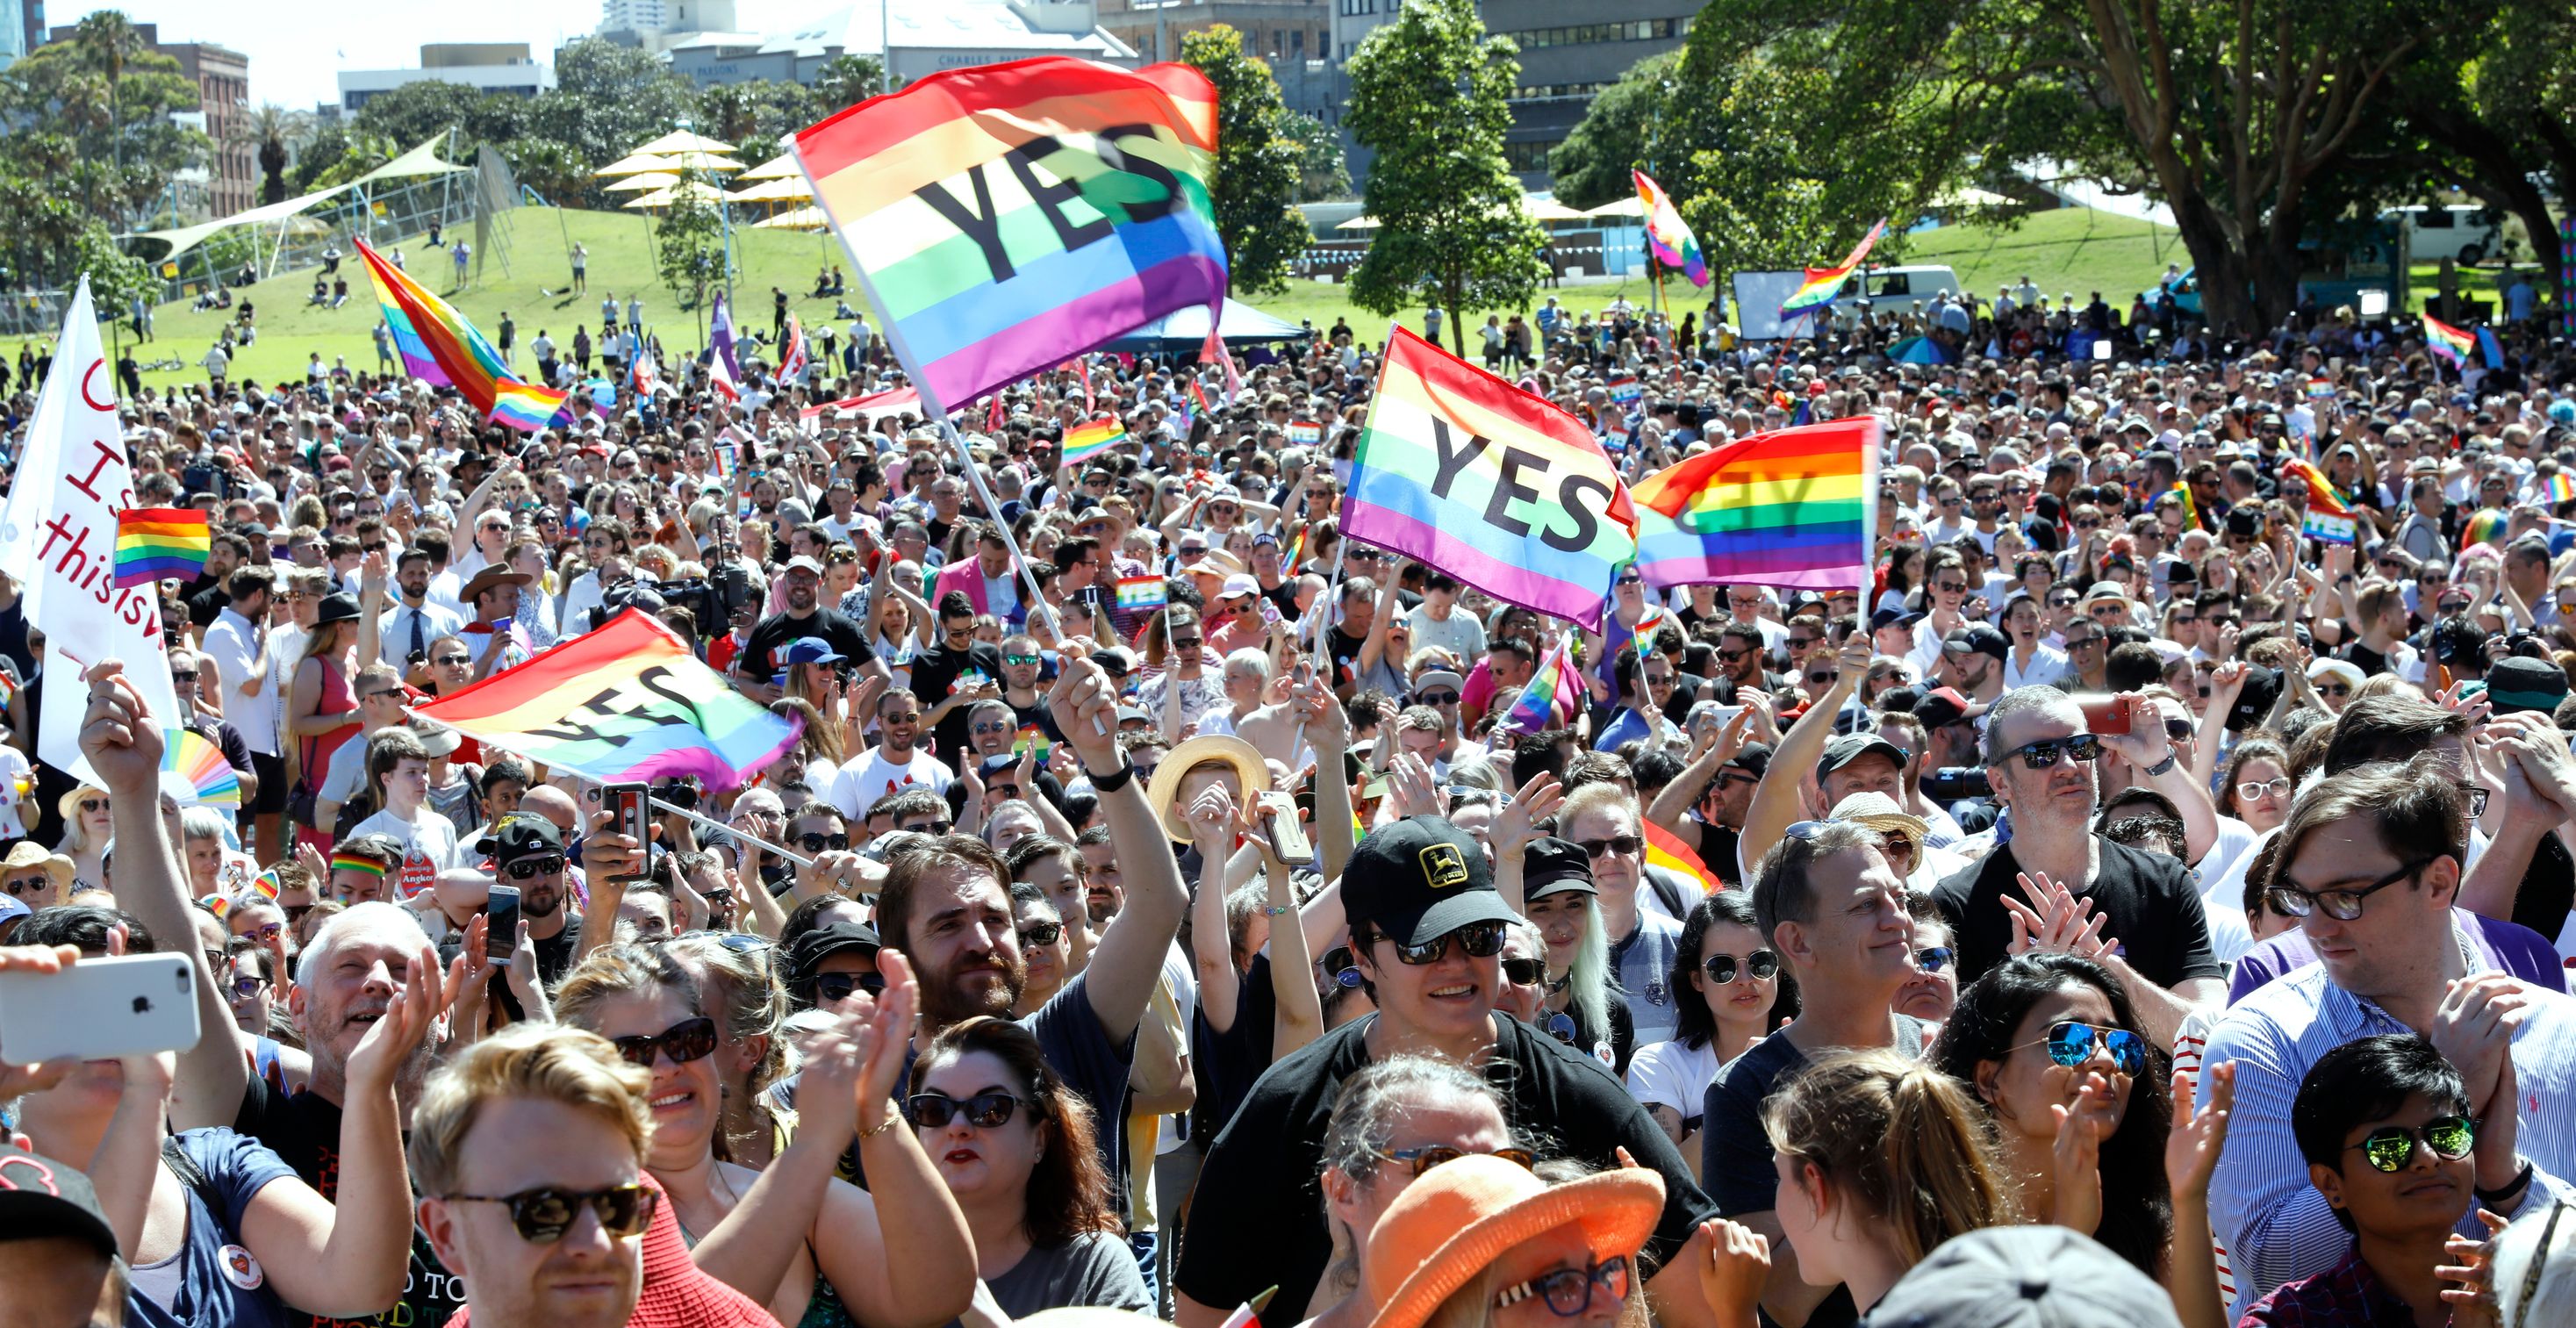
2192 1148
1085 706
2054 920
2077 1154
2473 1302
118 734
409 1015
1213 820
1738 1263
1516 826
1411 789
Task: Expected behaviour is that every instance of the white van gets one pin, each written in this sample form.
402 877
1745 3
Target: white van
2459 231
1901 288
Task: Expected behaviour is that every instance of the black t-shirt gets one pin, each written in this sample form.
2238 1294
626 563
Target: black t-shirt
2147 900
1346 653
554 953
304 1129
2369 661
1735 1151
935 672
770 635
1267 1163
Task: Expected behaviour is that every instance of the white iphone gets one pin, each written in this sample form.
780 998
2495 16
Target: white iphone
119 1005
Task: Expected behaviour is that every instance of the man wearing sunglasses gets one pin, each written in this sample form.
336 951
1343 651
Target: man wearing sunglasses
529 1150
527 852
2044 762
2370 865
894 764
1427 939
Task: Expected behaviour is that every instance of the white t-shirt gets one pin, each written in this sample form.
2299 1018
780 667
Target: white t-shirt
1673 1076
429 847
869 776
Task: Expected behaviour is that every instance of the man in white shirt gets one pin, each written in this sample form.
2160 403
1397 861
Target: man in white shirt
1437 622
895 763
236 644
380 701
398 769
405 631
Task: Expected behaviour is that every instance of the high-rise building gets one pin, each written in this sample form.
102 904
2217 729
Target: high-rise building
1295 37
651 18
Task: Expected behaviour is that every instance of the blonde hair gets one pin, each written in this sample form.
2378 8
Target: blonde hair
1599 796
612 971
1901 1139
548 1062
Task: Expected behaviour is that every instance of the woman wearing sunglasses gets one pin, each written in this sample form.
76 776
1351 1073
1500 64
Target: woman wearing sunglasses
85 836
1558 895
818 1251
1016 1147
1394 1122
2076 1097
1732 994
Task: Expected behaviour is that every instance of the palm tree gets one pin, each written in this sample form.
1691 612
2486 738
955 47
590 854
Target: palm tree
276 132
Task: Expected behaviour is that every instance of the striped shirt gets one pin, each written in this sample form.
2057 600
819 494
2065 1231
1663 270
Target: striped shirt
2272 1222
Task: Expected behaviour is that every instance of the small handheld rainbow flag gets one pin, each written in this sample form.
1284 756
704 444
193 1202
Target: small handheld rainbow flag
2190 509
2558 484
1553 688
2329 517
1031 738
1082 442
525 407
2448 342
1665 849
157 542
1304 433
1823 283
1140 594
2321 389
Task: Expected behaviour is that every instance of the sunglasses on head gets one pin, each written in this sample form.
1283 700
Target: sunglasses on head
686 1041
542 1216
2083 747
2390 1147
526 868
1481 940
1761 965
2072 1042
1424 1158
838 986
984 1111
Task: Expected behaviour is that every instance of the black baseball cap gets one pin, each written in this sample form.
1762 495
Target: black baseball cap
1753 758
520 835
1553 866
808 951
1850 747
40 1197
1978 640
1418 879
2254 702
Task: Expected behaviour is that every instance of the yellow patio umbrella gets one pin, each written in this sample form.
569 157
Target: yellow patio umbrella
706 162
1360 224
776 168
665 197
795 219
642 184
1631 206
636 164
1548 209
681 140
797 190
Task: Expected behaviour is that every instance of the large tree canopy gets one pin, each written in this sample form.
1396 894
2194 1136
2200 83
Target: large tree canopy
1257 162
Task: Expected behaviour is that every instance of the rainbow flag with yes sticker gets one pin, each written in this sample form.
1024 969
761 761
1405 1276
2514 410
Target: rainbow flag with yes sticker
1667 234
1495 486
1008 217
439 347
627 703
1141 594
157 542
1792 508
2329 517
2450 343
1823 283
1082 442
1304 433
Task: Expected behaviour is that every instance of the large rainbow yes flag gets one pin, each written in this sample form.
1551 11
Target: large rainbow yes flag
1009 217
1794 507
1823 283
439 347
1667 234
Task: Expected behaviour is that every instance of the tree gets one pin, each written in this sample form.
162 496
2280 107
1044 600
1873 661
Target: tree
606 100
112 95
847 80
417 112
1255 189
1321 171
1428 97
753 116
688 247
554 170
274 132
115 277
1591 166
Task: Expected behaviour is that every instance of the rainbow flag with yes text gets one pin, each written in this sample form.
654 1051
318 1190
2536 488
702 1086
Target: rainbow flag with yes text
2329 517
1793 507
157 542
1490 484
1007 217
1823 283
439 347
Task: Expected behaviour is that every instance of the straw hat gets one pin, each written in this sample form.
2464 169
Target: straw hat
1460 1216
68 806
1252 773
27 853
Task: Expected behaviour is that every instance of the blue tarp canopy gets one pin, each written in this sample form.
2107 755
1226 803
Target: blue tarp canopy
1186 330
1918 350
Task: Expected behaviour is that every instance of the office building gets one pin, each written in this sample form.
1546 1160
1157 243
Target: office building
647 19
229 182
485 66
924 39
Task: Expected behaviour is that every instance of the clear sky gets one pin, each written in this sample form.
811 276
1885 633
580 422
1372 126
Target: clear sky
296 46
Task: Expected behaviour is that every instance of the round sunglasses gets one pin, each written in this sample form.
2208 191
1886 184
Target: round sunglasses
2390 1147
2071 1044
1761 965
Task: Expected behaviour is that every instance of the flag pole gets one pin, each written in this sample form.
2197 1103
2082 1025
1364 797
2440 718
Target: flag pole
715 824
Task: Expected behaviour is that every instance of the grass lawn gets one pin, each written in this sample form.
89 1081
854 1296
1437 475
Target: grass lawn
2065 249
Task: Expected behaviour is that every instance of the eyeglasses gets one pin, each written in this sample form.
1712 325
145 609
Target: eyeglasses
686 1041
907 717
1733 656
381 691
542 1216
2333 689
1427 1156
1951 587
1525 972
1934 958
2278 786
89 805
1186 642
1042 933
527 868
1631 581
1761 965
993 726
2390 1147
815 841
1019 659
183 675
1568 1291
266 931
2079 642
2040 755
1623 845
248 985
1481 940
984 1111
931 827
838 986
2071 1044
2341 905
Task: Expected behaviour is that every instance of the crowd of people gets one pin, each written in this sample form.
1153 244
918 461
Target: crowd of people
2130 907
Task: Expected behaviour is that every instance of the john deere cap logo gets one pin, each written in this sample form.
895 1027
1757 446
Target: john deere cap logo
1443 866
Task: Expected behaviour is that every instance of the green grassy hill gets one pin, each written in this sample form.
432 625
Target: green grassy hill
2067 249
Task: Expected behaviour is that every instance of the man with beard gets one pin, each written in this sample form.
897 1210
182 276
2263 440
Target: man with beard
404 633
956 673
1972 660
946 905
894 764
1704 805
757 664
527 851
2154 936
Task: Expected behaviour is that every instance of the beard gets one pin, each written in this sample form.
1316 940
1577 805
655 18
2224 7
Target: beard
970 990
540 900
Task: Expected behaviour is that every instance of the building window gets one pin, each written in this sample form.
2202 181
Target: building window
1548 91
1584 34
1359 6
1297 41
1524 158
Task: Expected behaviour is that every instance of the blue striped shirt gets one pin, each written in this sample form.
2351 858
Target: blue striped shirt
2274 1225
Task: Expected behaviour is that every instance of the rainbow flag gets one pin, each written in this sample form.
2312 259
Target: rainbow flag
1199 396
1667 234
1665 849
1495 486
1007 217
439 347
1296 551
1795 507
724 374
157 542
1823 283
1082 442
1031 738
2190 509
525 406
1554 689
1141 594
2329 517
626 703
2321 389
2490 347
2450 343
2559 485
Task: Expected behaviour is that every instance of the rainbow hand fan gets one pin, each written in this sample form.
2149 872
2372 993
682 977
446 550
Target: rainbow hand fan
195 770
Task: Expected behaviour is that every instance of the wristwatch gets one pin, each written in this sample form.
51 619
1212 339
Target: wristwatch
2164 766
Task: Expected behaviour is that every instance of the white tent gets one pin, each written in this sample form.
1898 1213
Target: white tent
1187 329
422 160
